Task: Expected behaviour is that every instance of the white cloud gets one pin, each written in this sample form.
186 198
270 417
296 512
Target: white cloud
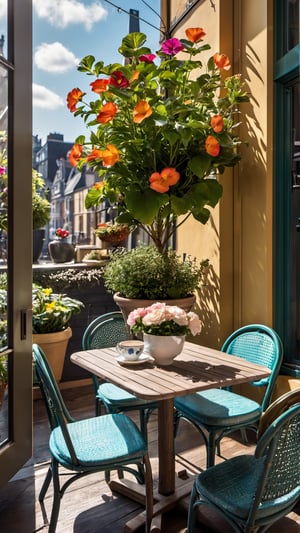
46 99
62 13
3 9
55 58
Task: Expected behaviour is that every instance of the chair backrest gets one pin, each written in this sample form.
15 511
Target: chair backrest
258 344
105 331
277 407
58 414
278 452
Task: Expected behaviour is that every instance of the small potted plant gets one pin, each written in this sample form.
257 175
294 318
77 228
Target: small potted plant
112 233
143 275
60 250
51 315
164 329
40 214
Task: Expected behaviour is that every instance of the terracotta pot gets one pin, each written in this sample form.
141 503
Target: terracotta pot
61 251
127 305
163 348
54 345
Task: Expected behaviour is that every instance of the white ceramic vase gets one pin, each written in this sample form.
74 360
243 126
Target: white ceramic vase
163 348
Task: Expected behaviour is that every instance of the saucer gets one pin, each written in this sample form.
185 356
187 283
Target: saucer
143 358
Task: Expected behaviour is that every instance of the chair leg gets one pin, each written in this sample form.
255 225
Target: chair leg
149 493
98 407
143 424
192 511
56 498
211 449
45 485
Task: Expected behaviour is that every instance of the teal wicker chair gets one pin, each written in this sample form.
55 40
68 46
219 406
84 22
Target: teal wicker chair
251 492
105 331
96 444
218 412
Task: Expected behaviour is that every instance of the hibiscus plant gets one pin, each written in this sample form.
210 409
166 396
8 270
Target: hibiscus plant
160 127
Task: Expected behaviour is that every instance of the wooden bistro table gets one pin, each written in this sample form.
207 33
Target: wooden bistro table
196 368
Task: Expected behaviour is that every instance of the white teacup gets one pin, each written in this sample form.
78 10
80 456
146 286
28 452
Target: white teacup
131 349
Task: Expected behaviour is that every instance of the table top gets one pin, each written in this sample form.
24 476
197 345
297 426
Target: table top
196 368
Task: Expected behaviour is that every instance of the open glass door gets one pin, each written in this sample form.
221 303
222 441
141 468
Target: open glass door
15 235
287 182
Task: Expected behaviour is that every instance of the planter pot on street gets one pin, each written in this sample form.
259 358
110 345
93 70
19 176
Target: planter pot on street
61 251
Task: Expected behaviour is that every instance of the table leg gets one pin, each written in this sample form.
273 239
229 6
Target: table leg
166 452
167 496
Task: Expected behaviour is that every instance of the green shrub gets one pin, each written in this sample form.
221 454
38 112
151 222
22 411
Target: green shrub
144 272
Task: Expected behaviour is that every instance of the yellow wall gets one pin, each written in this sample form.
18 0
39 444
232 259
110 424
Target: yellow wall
238 238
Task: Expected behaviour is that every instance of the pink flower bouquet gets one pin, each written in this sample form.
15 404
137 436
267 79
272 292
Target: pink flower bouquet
162 319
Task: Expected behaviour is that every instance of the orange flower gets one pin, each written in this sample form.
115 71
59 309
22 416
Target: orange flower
75 154
107 113
135 76
99 86
212 146
99 185
217 123
109 156
141 111
94 154
73 98
161 182
222 61
195 35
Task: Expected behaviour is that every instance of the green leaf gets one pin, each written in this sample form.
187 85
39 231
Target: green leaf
132 43
86 64
92 198
200 165
144 205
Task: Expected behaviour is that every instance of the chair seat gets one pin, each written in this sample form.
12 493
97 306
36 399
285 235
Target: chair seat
113 447
113 396
232 486
215 406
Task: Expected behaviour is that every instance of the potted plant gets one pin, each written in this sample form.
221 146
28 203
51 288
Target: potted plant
161 127
60 250
143 275
164 329
51 314
112 233
40 214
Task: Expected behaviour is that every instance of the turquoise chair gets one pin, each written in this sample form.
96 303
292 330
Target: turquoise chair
103 332
218 412
96 444
252 492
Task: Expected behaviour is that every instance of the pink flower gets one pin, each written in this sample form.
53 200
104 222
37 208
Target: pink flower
194 323
2 170
135 315
171 47
147 58
160 318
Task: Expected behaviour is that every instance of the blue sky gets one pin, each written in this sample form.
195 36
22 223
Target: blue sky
64 31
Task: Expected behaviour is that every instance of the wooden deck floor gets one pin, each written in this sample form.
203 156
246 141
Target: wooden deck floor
88 506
